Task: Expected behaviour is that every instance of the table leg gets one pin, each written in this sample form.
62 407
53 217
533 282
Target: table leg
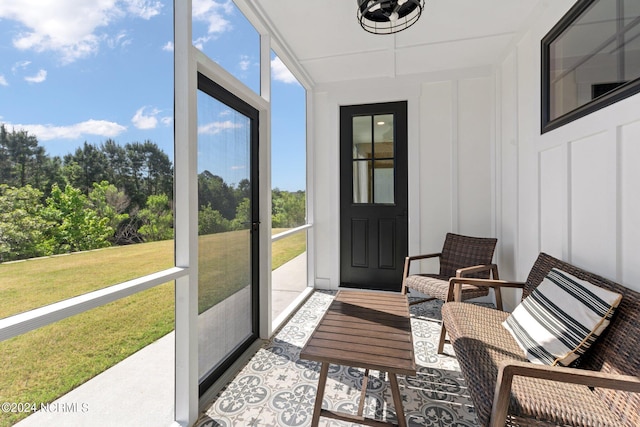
363 393
397 400
324 370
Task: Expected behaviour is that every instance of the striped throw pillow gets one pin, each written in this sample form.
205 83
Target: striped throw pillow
561 318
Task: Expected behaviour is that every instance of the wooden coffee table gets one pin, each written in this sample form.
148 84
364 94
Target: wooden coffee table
369 330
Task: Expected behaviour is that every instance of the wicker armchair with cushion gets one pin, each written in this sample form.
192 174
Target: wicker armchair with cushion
502 359
461 256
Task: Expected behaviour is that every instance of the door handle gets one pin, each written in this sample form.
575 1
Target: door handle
255 225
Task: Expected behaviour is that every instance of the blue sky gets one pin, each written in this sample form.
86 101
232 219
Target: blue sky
88 70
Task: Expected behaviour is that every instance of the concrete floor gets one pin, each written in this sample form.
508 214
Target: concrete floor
138 391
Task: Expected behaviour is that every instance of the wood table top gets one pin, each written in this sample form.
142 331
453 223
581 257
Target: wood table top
364 329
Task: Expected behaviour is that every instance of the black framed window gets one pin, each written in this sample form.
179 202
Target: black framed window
590 59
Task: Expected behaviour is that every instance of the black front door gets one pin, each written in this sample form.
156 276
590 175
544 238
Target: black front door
373 195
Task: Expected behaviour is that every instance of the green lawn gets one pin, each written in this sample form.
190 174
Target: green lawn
44 364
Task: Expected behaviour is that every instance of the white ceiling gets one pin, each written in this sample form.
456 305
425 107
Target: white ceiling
326 39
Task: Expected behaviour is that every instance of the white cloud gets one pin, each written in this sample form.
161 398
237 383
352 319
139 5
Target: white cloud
167 120
119 39
38 78
200 41
168 47
69 27
145 9
88 127
213 13
217 127
20 66
244 62
3 81
142 120
280 72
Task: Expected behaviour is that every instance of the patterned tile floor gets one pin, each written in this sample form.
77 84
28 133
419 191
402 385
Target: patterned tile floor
276 388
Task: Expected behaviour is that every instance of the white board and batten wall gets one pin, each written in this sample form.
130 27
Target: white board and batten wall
451 158
479 165
573 192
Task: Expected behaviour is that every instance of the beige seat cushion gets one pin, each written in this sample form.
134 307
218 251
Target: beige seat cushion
438 287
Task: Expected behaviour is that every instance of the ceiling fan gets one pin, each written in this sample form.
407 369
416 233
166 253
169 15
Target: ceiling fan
388 16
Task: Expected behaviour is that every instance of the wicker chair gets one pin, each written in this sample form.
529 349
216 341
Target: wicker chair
509 390
461 256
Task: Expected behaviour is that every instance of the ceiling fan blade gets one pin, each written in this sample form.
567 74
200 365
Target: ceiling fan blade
376 6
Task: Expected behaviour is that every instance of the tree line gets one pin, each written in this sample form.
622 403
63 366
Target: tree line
109 194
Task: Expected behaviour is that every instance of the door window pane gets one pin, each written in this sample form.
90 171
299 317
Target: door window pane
373 138
362 182
224 242
383 181
384 135
362 137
